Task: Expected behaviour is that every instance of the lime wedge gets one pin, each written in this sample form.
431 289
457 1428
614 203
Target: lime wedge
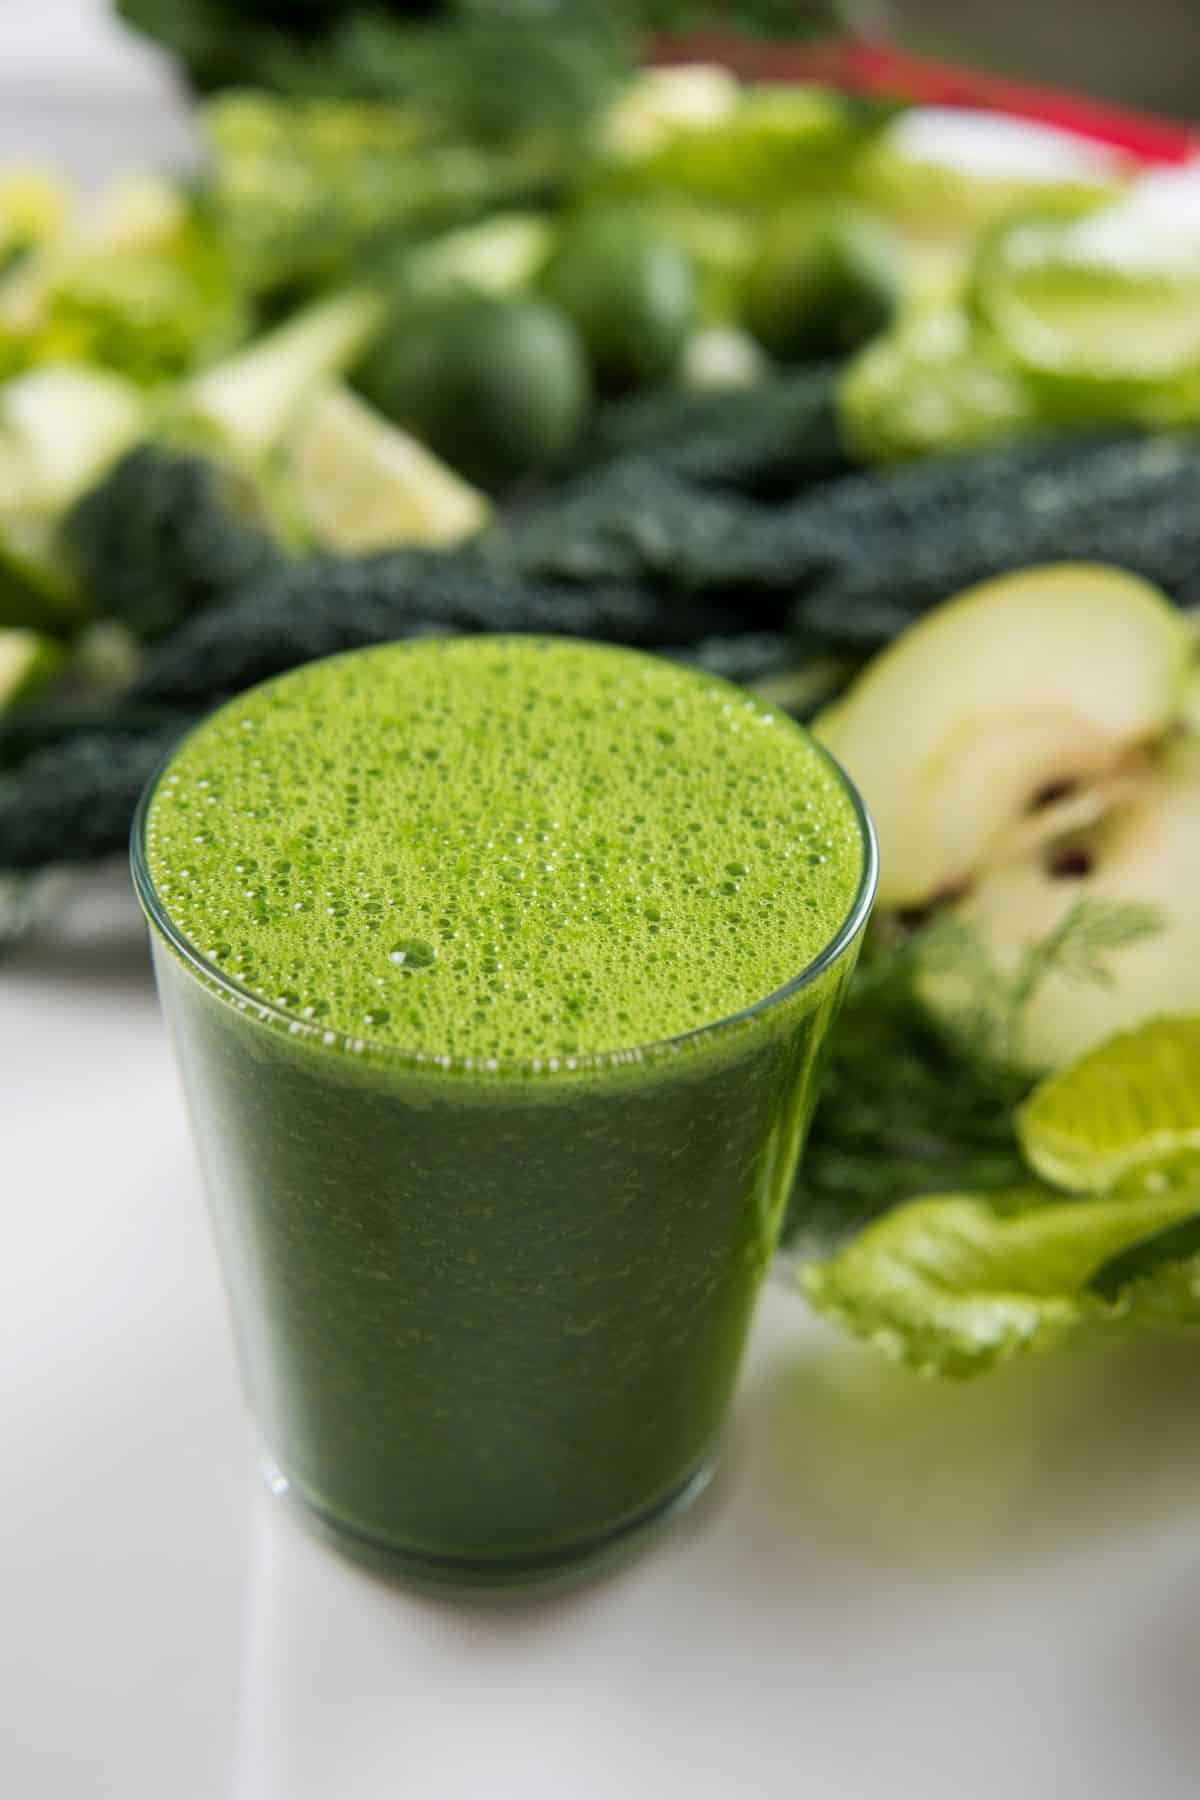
1091 303
366 485
1127 1109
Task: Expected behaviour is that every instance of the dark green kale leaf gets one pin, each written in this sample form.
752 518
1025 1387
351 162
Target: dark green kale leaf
901 541
634 521
769 440
72 802
329 604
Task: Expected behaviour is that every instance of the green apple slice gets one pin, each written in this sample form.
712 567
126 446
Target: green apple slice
1011 694
1089 306
1144 851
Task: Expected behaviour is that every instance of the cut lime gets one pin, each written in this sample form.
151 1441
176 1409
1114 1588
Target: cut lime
1123 1111
928 386
366 485
1091 305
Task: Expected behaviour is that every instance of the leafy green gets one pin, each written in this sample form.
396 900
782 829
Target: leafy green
328 604
941 1121
780 142
1161 1273
767 440
302 191
566 53
486 72
898 541
152 306
72 801
956 1284
946 1118
993 1004
634 520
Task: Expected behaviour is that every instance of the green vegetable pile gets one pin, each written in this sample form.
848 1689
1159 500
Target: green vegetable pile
466 326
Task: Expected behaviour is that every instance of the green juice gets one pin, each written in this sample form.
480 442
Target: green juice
499 971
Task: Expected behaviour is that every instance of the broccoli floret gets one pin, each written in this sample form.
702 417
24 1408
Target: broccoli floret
72 801
161 537
767 440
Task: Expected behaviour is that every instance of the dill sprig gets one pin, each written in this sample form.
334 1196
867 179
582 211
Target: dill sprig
919 1104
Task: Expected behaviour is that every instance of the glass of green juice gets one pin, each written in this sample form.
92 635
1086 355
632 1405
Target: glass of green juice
499 971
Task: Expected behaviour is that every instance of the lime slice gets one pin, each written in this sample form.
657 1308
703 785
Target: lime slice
1127 1109
1092 303
366 485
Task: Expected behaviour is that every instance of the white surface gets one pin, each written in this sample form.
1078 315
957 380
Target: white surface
895 1590
80 91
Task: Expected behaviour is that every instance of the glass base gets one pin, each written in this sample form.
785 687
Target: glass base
558 1569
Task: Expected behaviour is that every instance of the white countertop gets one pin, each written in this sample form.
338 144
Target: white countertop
895 1591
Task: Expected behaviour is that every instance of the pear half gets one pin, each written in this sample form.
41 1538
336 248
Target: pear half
1017 691
1145 848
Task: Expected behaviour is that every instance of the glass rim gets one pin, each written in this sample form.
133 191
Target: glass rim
297 1027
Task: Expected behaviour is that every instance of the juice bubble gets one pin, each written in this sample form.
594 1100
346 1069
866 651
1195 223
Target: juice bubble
412 953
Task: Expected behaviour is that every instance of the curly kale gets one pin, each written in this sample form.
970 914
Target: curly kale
162 537
768 440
